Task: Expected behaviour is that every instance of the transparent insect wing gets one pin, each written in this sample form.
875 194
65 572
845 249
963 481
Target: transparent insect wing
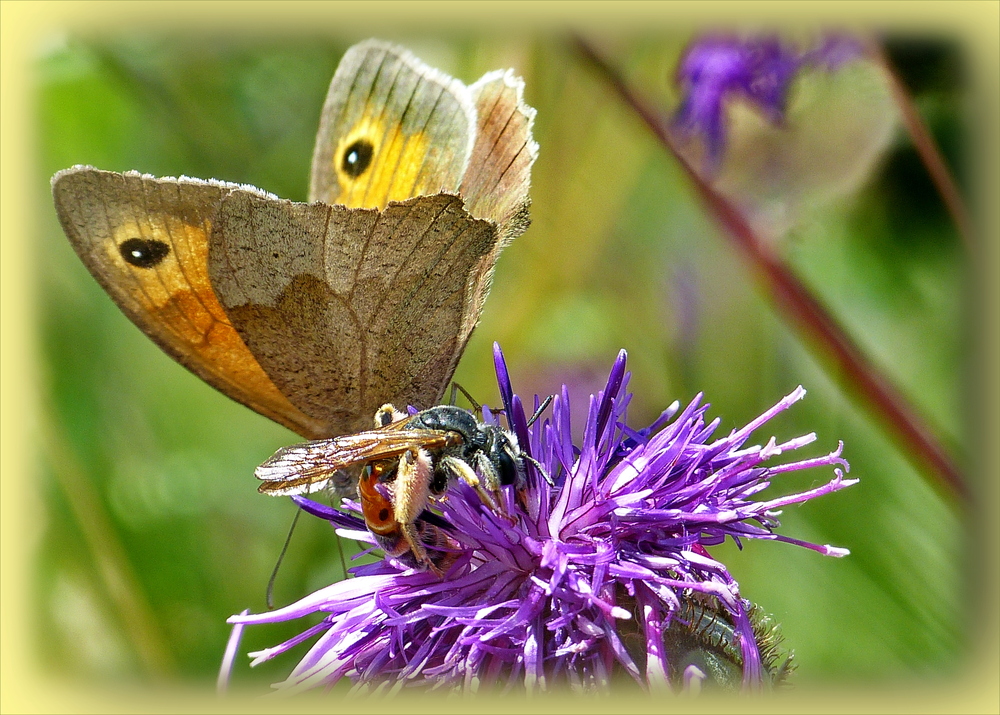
306 467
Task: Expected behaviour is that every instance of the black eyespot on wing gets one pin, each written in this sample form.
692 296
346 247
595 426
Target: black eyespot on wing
357 158
143 252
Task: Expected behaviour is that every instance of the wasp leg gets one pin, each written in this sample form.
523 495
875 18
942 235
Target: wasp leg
411 490
461 469
417 548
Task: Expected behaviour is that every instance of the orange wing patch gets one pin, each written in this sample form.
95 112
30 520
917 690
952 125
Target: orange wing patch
176 290
167 261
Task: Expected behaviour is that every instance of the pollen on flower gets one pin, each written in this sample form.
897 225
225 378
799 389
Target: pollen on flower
596 573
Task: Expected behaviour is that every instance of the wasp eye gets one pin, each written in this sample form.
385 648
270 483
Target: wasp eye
509 473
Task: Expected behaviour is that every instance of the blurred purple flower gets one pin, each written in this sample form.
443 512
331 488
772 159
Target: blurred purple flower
579 582
834 51
717 68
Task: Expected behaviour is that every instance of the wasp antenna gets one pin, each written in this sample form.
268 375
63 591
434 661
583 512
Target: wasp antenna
540 468
538 413
269 596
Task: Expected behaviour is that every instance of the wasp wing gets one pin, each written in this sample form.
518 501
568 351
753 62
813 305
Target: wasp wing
308 467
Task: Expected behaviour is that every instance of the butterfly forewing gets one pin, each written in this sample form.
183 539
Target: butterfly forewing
318 315
315 315
392 128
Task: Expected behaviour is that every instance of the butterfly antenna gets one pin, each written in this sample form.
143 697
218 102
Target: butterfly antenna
269 597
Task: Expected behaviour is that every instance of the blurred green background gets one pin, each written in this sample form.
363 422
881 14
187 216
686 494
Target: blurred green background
155 532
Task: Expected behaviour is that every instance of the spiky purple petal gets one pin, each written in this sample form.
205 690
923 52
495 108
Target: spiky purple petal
543 594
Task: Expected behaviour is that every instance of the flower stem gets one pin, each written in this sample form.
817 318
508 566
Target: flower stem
799 304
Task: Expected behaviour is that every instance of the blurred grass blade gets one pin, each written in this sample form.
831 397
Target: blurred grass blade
137 619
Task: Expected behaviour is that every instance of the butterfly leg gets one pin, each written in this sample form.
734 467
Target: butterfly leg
453 400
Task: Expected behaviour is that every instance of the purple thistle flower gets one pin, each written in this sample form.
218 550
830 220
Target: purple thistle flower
718 68
601 572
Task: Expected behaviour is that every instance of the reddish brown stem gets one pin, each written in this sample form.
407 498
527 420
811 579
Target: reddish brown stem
806 312
928 151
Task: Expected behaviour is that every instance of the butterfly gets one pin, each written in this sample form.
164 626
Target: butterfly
317 314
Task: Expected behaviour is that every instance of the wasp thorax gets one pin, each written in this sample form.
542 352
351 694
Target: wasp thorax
489 450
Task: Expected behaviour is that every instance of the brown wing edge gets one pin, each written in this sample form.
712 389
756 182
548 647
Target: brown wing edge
505 143
499 176
64 185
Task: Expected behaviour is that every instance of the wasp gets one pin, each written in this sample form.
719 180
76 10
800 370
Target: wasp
403 462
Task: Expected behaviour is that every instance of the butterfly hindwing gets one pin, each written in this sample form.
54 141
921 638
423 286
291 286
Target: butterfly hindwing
347 309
